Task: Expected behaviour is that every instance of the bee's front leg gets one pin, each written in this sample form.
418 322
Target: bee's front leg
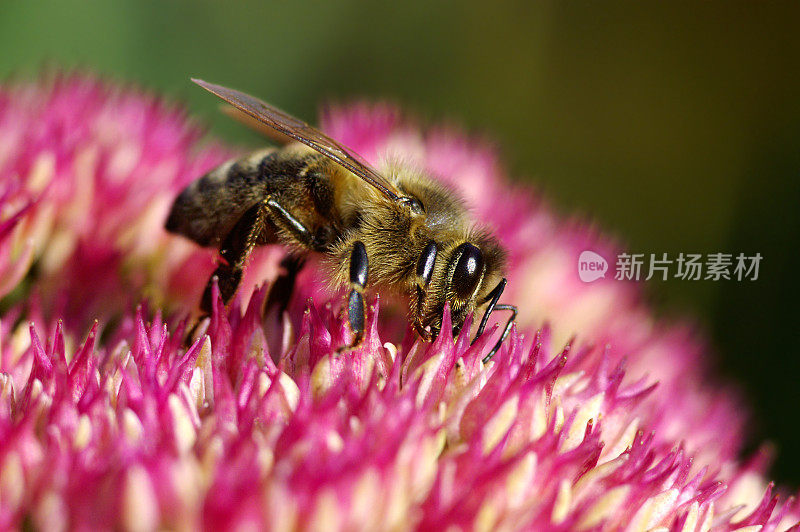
356 307
425 264
492 299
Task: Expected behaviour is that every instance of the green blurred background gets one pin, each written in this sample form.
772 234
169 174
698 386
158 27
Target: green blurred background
676 126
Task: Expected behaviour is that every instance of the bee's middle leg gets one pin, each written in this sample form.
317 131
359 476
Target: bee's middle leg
280 293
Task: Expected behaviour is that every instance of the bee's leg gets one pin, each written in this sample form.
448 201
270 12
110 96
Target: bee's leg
280 293
245 235
492 298
356 307
425 265
282 288
283 218
234 250
506 330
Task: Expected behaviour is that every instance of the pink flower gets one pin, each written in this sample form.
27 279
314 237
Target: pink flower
592 416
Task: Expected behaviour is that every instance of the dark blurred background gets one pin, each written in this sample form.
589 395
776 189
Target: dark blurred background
676 126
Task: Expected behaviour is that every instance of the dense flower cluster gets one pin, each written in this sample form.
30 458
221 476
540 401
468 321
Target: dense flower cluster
592 416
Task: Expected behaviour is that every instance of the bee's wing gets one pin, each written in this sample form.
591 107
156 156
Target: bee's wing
299 130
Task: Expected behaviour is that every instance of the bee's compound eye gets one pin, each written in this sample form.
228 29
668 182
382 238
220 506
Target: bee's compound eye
467 271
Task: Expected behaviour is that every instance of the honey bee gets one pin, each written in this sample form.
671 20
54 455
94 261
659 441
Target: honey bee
398 232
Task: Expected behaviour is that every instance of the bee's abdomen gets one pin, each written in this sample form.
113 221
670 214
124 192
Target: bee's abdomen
206 210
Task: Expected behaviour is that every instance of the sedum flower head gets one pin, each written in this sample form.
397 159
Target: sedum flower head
592 416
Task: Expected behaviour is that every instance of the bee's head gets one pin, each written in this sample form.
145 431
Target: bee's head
469 271
457 264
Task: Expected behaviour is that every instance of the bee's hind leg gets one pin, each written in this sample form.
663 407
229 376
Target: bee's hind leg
248 232
235 250
356 307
